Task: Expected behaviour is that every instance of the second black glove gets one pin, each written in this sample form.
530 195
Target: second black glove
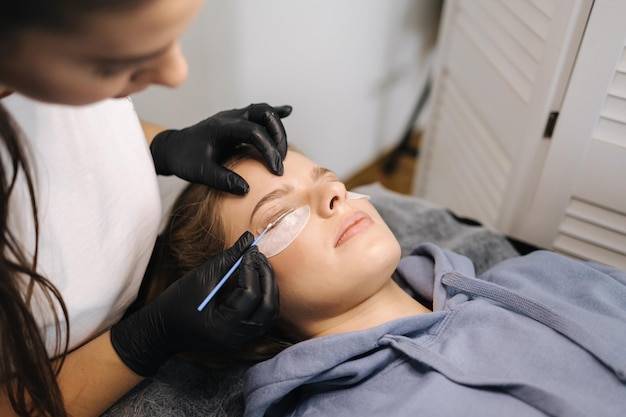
193 153
172 324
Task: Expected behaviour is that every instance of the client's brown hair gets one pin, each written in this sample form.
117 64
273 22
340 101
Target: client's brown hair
194 233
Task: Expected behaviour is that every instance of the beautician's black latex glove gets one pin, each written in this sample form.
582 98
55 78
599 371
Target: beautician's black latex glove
172 324
192 153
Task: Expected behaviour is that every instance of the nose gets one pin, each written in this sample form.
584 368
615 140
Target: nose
169 70
332 197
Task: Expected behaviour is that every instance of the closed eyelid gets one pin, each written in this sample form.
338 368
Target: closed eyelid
271 216
268 198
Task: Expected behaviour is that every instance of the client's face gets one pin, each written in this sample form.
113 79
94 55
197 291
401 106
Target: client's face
344 254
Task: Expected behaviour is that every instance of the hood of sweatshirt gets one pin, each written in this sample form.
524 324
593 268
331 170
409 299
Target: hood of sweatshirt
339 362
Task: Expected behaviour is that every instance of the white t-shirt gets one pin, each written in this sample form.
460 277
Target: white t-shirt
99 208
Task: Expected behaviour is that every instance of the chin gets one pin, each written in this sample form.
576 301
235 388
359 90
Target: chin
384 255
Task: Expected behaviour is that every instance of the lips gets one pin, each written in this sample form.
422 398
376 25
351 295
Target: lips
353 224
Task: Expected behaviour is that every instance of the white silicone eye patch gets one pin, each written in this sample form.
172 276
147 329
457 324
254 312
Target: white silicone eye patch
284 232
355 196
280 236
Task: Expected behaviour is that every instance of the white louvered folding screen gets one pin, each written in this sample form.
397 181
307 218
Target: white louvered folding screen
502 69
580 205
505 65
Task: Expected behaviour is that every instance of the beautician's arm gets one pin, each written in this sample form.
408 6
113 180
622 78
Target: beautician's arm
150 130
93 377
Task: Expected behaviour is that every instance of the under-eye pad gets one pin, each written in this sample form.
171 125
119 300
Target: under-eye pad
285 231
355 196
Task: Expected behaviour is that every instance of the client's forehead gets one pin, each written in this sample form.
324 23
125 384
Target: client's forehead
298 171
295 164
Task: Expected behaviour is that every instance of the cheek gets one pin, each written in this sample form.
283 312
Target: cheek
94 88
66 88
303 269
72 84
79 85
315 279
311 260
304 257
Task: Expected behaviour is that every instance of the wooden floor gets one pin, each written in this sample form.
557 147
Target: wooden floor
398 177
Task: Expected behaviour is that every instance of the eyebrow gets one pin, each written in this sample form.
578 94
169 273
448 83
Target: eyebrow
317 173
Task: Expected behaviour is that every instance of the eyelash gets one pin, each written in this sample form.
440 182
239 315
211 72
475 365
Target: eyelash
108 72
273 217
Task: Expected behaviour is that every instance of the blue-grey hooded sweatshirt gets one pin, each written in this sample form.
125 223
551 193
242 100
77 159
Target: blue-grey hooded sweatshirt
533 336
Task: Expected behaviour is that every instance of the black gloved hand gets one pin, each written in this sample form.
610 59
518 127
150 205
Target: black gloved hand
192 153
172 324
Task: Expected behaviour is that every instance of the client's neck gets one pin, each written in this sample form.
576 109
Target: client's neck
390 303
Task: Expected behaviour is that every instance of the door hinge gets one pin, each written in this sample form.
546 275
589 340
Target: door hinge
547 133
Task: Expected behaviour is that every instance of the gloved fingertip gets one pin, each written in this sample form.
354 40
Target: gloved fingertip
279 167
243 243
282 147
239 188
243 188
283 111
247 237
274 162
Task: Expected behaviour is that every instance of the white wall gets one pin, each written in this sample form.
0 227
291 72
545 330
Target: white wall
352 70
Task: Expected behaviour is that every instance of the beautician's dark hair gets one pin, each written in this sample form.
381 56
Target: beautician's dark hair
26 372
25 369
54 15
